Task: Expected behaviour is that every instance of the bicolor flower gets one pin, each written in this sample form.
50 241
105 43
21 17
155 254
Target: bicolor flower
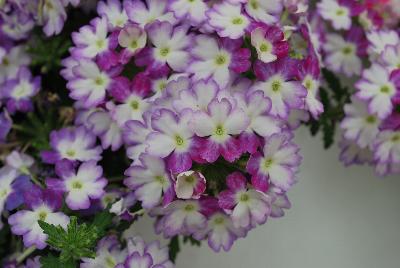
378 86
5 125
135 133
390 57
170 46
359 125
81 186
339 13
308 74
279 202
220 232
277 83
12 61
257 108
378 40
266 11
73 144
41 205
90 83
20 161
150 181
20 90
172 135
269 43
387 147
91 40
53 16
190 184
351 153
114 12
248 206
148 12
132 38
183 217
277 164
217 126
108 254
344 55
194 10
228 20
216 59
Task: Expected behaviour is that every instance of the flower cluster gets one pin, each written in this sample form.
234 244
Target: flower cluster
369 52
204 97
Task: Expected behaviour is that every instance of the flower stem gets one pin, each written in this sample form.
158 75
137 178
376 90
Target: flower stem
25 254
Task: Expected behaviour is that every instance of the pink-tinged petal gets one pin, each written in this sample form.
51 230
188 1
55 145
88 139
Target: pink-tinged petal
236 122
179 162
254 163
236 181
282 177
201 124
226 199
260 182
241 215
249 142
210 150
231 149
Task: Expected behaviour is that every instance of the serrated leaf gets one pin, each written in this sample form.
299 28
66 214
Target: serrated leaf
51 261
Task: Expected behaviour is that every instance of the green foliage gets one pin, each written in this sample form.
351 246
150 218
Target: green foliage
191 240
334 97
48 52
75 242
174 248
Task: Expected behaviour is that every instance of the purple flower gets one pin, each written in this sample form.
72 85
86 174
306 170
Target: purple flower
190 184
20 90
339 13
279 202
5 125
170 47
150 181
172 137
248 206
73 144
220 232
276 81
217 126
89 84
134 134
228 20
193 11
12 61
269 43
218 59
54 16
41 205
266 11
81 186
277 164
113 11
148 12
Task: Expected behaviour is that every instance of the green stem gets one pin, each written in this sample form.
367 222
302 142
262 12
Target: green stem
25 254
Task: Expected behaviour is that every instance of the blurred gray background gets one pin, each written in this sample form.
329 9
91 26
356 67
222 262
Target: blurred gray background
340 218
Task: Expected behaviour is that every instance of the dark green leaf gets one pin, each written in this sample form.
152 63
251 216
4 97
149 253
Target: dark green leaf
192 241
174 248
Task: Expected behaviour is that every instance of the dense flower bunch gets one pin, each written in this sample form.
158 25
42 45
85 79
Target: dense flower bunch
181 110
367 50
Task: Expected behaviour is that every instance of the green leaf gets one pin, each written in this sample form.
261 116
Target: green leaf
192 241
50 261
174 248
77 241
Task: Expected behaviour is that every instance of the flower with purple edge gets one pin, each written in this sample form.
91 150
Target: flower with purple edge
108 254
114 12
194 10
41 205
266 11
390 57
183 217
20 90
386 147
257 108
54 16
378 86
216 127
12 61
148 12
339 12
172 137
218 58
142 255
20 161
190 184
248 206
220 232
270 43
359 124
81 186
308 73
5 125
276 81
91 40
150 181
277 164
73 144
134 134
378 40
132 39
89 84
170 46
278 203
351 153
228 20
